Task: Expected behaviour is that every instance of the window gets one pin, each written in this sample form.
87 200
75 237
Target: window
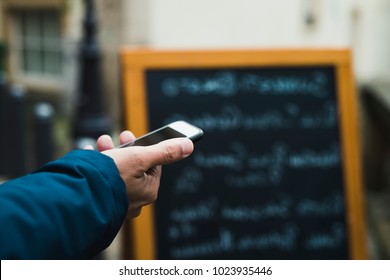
38 43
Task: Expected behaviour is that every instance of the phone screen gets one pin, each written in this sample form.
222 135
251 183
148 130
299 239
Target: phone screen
158 136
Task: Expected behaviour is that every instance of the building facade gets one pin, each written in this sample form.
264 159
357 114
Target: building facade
42 38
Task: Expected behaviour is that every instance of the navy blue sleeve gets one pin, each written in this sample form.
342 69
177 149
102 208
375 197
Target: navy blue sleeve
71 208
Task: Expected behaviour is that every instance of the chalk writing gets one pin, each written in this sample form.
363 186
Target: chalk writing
229 83
233 159
285 85
182 231
265 169
320 240
325 118
283 239
280 208
332 205
223 84
202 210
309 158
248 179
231 117
223 243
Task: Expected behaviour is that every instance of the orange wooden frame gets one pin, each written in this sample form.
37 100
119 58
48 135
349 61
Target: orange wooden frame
136 62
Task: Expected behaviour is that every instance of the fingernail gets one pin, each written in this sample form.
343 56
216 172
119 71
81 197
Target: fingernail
187 146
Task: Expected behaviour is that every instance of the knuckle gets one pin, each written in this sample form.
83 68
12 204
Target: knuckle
169 153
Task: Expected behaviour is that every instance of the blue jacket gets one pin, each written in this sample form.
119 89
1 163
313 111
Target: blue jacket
71 208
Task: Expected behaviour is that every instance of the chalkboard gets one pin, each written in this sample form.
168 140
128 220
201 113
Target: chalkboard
274 177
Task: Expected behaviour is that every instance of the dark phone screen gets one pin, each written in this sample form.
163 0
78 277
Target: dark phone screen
156 137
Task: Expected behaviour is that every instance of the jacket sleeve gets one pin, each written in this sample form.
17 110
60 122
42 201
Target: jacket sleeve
71 208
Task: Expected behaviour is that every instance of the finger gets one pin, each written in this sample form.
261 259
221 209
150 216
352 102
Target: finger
166 152
126 136
88 147
104 143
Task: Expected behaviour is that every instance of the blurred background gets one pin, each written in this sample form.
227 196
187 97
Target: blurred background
60 80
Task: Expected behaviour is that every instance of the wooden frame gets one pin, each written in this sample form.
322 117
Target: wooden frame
136 62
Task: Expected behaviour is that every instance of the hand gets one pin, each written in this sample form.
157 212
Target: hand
140 167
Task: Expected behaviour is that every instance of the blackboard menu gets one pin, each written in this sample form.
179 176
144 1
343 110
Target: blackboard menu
266 181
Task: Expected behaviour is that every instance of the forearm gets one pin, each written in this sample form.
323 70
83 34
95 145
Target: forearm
71 208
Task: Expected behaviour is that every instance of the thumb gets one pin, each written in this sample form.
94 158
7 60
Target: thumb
167 152
141 159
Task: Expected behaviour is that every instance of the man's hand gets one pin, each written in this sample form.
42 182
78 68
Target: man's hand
140 167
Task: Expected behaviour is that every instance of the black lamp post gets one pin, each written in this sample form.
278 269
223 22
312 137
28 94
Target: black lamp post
91 120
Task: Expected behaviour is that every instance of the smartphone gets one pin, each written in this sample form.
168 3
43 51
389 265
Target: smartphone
172 130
